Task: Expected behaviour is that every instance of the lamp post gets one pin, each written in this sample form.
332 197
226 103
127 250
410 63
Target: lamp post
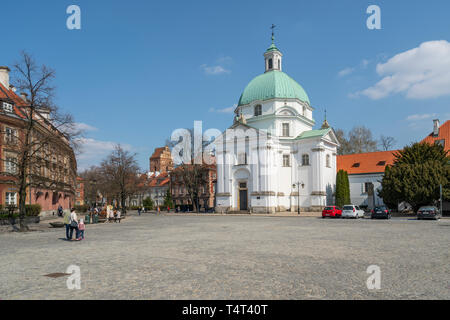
298 184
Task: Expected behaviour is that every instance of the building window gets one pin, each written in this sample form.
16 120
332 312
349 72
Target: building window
10 135
8 107
305 160
440 142
367 187
10 165
10 198
270 64
279 64
328 161
286 160
285 132
258 110
304 111
242 158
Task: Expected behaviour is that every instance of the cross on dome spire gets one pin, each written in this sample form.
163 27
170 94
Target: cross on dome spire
273 32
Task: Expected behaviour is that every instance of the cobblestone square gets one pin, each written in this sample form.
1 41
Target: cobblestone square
232 257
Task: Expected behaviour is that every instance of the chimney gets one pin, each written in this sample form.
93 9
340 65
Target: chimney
24 96
12 88
4 76
436 128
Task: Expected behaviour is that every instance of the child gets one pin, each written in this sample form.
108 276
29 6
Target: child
81 228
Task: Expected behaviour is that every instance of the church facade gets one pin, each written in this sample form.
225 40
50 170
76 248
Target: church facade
271 159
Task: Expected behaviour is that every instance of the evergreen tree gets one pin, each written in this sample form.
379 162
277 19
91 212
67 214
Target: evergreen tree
347 189
342 189
168 199
416 175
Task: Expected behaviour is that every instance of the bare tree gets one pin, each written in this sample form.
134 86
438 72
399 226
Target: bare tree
345 147
194 178
387 143
42 147
92 179
359 141
120 172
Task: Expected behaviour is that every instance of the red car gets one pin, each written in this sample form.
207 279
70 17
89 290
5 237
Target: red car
331 212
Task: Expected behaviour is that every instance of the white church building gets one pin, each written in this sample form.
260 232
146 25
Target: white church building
271 159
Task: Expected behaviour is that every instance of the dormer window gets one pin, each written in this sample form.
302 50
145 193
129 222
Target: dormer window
8 107
258 110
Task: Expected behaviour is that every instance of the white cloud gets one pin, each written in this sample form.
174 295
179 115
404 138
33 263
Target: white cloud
84 127
92 151
214 70
417 117
419 73
224 110
346 72
365 63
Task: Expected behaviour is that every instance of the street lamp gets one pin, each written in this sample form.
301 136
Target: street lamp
298 184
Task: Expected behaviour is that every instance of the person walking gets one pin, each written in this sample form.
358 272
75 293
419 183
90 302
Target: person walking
67 224
60 211
73 224
139 211
81 228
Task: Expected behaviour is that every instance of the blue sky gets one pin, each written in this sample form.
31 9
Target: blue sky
137 70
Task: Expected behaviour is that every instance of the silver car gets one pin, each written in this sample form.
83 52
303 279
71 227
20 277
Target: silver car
352 211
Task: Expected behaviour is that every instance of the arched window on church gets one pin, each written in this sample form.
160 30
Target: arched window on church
270 64
279 64
305 160
258 110
328 161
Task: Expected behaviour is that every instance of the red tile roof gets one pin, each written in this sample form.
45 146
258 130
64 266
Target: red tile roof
373 162
11 95
158 152
444 134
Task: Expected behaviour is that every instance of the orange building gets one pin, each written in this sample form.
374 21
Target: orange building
440 135
52 175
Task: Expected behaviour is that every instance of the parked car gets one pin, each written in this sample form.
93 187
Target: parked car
428 212
352 211
331 212
380 213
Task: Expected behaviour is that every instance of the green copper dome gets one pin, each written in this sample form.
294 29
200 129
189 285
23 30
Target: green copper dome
270 85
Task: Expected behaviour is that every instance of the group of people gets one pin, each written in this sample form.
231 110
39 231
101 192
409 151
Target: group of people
72 223
113 214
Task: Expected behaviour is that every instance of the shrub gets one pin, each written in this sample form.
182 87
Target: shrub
32 210
148 203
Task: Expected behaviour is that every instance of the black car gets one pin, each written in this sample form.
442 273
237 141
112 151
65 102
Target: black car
380 213
428 212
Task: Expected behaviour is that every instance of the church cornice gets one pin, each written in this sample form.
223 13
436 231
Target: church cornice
277 116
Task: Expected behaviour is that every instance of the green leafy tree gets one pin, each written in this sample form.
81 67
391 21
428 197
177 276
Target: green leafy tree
416 175
342 188
168 199
148 203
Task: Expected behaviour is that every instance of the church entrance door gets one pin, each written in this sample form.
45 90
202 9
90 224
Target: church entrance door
243 196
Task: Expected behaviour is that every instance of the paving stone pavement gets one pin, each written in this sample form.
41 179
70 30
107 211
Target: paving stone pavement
232 257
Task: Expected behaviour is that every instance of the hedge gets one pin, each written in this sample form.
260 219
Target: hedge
32 210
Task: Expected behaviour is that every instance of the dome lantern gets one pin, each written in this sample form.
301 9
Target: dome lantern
273 56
